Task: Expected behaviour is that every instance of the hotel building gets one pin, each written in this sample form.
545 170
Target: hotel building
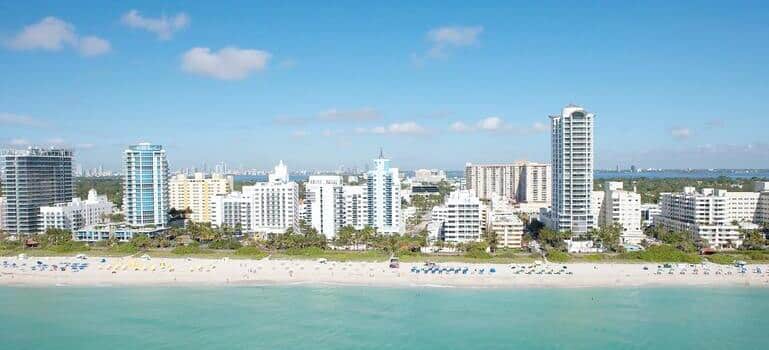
31 179
196 193
383 198
78 213
620 207
325 200
265 207
714 215
503 220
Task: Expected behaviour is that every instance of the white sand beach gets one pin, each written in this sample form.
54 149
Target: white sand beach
132 271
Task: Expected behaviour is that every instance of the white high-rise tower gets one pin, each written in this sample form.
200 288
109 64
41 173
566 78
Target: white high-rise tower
572 151
383 186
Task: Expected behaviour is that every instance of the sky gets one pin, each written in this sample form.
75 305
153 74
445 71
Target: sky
434 84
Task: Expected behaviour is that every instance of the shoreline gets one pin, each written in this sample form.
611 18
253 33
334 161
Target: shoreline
196 272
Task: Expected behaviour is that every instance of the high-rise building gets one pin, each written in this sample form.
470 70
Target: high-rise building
355 207
520 182
383 199
145 185
265 207
2 214
31 179
325 200
196 193
78 213
572 152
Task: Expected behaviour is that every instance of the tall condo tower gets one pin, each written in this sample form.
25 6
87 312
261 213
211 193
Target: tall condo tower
572 151
31 179
383 200
145 185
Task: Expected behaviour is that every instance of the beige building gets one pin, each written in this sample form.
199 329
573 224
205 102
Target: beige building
197 193
520 182
503 220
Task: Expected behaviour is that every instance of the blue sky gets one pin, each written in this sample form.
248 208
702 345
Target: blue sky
435 84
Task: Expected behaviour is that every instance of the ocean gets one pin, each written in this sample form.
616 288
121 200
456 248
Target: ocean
321 317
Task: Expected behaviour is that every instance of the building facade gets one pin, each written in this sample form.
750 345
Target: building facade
324 198
623 208
78 213
145 185
355 207
31 179
197 193
463 218
429 176
714 215
383 198
572 152
2 214
520 182
505 223
265 207
648 212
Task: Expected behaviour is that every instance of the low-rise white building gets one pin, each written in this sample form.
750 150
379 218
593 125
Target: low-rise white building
78 213
429 176
623 208
648 212
714 215
463 218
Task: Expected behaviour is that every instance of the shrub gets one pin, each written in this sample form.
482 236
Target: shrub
558 256
250 251
125 248
187 249
663 253
310 251
68 247
477 254
723 259
225 244
593 257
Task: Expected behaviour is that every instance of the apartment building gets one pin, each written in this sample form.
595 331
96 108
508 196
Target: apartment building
76 214
520 182
620 207
572 171
196 193
145 185
383 197
503 220
31 179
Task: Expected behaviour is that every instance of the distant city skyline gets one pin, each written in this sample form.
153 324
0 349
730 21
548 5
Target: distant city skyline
435 84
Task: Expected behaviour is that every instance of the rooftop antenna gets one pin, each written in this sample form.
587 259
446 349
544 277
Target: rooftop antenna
381 154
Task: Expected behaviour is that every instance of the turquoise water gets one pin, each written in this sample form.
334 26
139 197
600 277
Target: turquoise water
322 318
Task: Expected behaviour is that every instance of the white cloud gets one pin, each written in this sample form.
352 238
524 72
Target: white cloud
93 46
53 34
491 124
11 119
164 27
444 39
300 133
229 63
361 114
460 127
681 133
404 128
497 124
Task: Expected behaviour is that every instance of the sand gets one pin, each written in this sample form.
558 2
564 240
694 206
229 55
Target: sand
131 271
